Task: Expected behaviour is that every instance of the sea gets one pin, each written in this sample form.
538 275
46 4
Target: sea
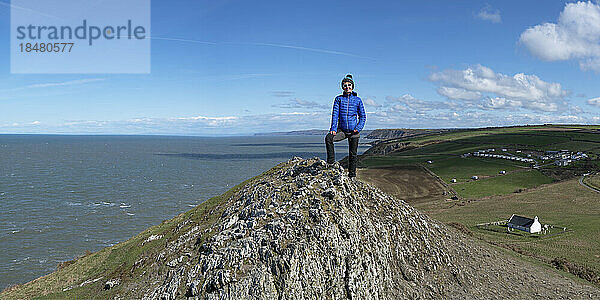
63 195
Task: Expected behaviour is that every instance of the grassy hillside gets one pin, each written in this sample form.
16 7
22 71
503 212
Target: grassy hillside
593 181
565 204
444 151
124 260
500 185
553 193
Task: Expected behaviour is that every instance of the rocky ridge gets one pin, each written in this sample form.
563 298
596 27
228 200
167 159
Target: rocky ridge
304 230
309 232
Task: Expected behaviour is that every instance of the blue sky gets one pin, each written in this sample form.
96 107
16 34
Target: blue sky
240 67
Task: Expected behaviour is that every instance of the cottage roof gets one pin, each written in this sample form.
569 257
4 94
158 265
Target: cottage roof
520 221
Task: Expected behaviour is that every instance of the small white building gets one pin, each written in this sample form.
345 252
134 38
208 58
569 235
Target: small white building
453 180
429 161
502 172
524 223
475 177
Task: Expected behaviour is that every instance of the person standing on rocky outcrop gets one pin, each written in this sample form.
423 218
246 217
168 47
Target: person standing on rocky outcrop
347 120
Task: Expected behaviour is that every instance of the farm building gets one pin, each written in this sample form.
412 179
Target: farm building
453 180
474 177
502 172
429 161
524 223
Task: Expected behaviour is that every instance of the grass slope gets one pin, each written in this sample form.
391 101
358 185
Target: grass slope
119 261
445 149
499 185
522 190
593 181
564 204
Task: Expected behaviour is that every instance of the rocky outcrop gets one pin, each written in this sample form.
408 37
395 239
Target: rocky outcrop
304 230
309 232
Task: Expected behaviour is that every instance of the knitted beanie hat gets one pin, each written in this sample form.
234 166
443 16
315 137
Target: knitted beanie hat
348 78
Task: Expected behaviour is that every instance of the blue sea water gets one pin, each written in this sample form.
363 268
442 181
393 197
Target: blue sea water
63 195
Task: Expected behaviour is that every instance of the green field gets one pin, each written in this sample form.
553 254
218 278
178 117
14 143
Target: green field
445 149
550 192
399 160
463 168
499 185
565 204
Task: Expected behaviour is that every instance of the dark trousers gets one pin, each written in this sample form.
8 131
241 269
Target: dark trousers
352 149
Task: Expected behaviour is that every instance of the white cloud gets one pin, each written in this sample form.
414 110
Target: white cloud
196 125
384 117
201 120
518 91
282 94
26 124
499 102
458 93
576 35
594 101
301 103
409 103
371 102
487 14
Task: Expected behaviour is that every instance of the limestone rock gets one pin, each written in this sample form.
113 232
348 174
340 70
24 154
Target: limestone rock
305 231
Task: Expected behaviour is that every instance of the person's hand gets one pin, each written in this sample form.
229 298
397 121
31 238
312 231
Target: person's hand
332 132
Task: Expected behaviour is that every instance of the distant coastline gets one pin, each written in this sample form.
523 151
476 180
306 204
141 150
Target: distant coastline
303 132
376 134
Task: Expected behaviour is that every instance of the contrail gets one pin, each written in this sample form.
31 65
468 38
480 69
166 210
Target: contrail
55 84
303 48
10 5
326 51
183 40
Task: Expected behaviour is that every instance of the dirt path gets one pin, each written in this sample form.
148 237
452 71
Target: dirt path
414 184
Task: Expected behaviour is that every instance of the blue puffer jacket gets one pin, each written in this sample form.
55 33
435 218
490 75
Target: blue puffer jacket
345 111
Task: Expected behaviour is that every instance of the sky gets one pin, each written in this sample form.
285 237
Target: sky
243 67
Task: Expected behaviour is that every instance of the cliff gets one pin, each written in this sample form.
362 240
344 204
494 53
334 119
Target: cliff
302 230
